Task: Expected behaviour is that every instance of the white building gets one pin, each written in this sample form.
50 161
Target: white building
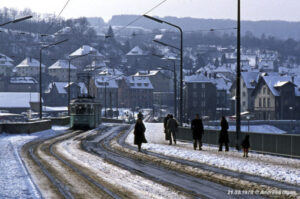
29 67
60 71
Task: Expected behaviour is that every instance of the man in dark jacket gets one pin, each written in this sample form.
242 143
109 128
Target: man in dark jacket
165 126
172 126
223 139
197 129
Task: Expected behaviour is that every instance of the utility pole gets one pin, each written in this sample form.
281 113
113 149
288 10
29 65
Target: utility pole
238 77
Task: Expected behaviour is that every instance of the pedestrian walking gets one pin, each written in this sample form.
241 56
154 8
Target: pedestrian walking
172 126
197 129
246 146
139 133
140 115
223 139
165 127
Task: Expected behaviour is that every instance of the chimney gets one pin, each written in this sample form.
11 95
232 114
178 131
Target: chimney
293 78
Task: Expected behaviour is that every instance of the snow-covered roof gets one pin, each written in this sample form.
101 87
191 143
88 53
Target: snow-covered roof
29 62
6 58
281 83
271 81
109 72
85 49
250 78
83 88
55 109
136 51
62 64
5 61
100 82
23 80
146 73
63 31
61 87
221 84
139 82
198 78
18 99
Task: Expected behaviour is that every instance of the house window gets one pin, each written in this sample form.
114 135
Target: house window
259 102
269 102
264 90
244 94
194 94
244 103
203 85
268 91
264 102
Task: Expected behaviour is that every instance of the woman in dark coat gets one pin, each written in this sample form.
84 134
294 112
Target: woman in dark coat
197 129
139 133
223 139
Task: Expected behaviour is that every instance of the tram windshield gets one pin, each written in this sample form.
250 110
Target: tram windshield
80 109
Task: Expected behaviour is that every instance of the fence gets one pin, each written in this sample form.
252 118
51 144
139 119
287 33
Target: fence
278 144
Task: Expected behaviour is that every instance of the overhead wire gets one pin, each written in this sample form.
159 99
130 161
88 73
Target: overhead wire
141 16
65 5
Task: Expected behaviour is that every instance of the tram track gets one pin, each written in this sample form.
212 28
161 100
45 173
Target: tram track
229 179
243 176
193 186
62 187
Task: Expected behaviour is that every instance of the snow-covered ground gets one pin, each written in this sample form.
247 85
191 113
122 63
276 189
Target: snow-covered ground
15 182
122 179
273 167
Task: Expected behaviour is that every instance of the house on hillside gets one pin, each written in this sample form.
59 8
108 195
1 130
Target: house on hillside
200 94
59 71
107 86
163 86
29 67
137 57
93 54
57 93
22 84
276 98
135 92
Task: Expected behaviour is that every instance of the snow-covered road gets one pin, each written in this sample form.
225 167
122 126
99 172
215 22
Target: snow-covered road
278 168
15 182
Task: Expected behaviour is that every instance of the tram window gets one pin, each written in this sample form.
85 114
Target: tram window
89 110
80 109
73 109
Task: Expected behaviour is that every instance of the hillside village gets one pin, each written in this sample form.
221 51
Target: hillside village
134 72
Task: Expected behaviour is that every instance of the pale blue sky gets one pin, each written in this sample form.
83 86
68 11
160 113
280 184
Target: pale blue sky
217 9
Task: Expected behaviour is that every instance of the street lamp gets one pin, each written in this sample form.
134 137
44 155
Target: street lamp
238 76
248 118
181 62
16 20
69 76
291 113
44 47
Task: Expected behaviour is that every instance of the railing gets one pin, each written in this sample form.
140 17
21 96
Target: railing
277 144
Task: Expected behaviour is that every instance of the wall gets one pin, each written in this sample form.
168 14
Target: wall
33 126
279 144
26 127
